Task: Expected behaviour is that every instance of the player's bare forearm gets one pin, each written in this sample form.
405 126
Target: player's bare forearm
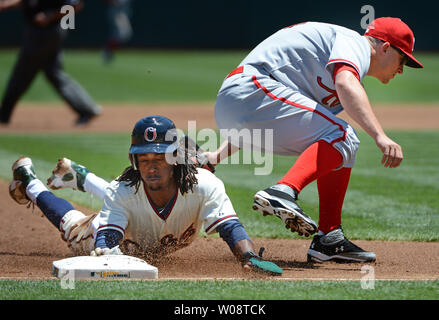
244 250
225 150
241 247
354 99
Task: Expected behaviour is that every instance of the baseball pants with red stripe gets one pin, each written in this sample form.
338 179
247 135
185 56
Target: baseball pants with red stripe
251 100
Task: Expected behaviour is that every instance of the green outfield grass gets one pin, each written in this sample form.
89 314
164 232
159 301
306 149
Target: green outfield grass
381 203
219 290
153 75
147 76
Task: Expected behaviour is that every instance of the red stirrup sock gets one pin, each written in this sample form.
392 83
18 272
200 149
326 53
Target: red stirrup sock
332 190
316 161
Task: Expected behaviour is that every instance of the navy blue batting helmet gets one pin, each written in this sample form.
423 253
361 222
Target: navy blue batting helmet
154 134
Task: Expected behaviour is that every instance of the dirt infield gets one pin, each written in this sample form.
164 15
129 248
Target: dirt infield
120 118
29 243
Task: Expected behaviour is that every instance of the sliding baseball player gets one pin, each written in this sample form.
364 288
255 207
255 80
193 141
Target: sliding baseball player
156 206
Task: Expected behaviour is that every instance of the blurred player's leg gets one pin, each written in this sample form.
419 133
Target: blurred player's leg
31 59
119 25
70 90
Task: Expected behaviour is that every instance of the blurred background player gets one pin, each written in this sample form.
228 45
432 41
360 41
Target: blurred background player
41 50
120 30
158 204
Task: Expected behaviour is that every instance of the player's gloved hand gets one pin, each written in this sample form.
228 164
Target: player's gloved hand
197 156
203 161
256 263
106 251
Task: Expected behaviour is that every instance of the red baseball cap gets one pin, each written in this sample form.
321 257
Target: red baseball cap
398 34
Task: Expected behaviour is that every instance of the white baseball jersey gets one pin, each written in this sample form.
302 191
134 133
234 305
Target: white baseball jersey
286 85
133 214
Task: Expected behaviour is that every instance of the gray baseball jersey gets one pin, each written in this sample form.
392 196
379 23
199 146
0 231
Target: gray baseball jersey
286 85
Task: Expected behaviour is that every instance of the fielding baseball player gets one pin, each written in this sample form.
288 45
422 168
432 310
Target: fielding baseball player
295 83
158 204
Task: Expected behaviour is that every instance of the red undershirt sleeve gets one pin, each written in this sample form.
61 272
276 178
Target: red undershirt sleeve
338 67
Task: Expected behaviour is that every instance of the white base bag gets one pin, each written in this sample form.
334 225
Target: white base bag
103 267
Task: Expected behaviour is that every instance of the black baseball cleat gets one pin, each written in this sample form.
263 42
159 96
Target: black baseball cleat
280 201
333 246
4 120
84 119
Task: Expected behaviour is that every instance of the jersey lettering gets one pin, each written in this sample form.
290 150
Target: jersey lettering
171 240
187 234
332 99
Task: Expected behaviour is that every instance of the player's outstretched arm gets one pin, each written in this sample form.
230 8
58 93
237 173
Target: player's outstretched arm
354 99
225 150
244 250
107 242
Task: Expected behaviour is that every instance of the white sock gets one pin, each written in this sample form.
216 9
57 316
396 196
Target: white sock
95 185
34 188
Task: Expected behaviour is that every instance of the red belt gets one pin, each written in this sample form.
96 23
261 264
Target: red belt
236 71
241 70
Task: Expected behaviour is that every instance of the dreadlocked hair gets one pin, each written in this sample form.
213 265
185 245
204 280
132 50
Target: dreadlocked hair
185 169
132 176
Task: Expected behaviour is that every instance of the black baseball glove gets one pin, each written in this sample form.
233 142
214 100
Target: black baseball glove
196 154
